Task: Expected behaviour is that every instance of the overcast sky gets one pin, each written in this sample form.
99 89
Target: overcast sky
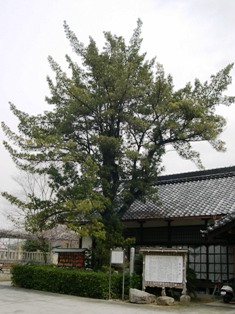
191 38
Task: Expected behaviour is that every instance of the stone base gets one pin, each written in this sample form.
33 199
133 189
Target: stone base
141 297
185 298
164 300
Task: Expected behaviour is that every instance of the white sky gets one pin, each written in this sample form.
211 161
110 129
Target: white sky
191 38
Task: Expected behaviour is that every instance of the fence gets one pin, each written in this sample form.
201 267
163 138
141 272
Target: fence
24 257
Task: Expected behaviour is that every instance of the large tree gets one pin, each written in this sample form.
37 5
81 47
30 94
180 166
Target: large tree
102 142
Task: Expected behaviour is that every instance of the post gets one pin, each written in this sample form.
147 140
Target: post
132 260
110 269
123 275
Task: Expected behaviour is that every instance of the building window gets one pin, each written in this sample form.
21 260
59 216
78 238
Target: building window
213 262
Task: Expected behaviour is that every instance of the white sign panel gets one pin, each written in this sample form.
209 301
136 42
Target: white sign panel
117 257
164 268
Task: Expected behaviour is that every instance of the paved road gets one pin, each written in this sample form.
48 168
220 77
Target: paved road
21 301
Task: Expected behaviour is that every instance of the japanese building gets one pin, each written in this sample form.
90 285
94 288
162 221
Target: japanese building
196 211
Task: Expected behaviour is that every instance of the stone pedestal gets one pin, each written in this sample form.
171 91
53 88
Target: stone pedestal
185 298
141 297
164 300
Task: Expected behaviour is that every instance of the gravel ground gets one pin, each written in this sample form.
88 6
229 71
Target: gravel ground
17 300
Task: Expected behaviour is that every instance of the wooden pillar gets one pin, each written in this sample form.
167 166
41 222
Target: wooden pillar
141 231
169 233
207 251
233 267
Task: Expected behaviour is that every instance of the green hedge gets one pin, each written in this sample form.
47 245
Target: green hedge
74 282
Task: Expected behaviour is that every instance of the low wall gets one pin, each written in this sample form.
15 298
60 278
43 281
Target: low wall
22 256
5 277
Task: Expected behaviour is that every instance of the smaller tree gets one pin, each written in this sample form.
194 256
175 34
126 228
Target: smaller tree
36 245
30 200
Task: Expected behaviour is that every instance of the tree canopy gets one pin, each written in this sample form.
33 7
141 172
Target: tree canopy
112 116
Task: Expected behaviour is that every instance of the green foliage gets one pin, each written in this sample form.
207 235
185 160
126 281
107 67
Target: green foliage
81 283
36 245
191 281
101 144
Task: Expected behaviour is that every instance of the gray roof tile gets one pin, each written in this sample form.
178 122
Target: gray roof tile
196 194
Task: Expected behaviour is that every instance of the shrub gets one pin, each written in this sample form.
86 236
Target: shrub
191 281
74 282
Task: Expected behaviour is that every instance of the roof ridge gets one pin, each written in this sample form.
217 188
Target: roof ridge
197 175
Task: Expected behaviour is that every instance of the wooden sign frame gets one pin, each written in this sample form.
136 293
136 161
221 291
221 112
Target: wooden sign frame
164 268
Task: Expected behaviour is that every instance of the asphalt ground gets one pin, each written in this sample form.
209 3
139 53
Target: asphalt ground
21 301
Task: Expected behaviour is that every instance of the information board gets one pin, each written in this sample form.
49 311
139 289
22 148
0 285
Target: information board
164 268
117 257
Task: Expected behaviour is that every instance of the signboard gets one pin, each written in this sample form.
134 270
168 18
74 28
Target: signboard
117 257
164 268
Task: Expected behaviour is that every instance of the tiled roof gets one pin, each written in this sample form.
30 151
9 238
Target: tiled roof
193 194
